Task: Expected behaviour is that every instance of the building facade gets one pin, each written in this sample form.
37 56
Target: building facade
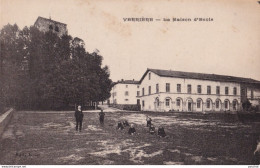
163 90
125 92
45 25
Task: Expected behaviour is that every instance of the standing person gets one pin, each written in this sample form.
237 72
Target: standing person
257 153
149 121
101 117
79 117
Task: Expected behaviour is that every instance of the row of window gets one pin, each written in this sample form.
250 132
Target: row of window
199 89
208 103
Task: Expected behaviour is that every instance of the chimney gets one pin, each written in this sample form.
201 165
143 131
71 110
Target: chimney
122 80
133 79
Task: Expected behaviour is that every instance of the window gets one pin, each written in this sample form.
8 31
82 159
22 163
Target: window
126 93
252 94
198 103
149 76
235 91
167 87
56 29
208 90
217 90
167 102
178 103
157 88
199 89
226 90
226 104
179 88
137 86
217 104
51 27
143 103
189 88
138 93
126 86
149 90
208 103
143 91
126 99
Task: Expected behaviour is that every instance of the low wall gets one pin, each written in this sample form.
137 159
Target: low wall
130 107
5 119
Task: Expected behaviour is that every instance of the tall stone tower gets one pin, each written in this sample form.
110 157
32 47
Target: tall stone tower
44 25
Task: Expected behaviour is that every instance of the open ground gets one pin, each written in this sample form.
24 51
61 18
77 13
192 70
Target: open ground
38 137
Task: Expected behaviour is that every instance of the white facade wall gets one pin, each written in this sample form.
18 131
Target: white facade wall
188 101
119 95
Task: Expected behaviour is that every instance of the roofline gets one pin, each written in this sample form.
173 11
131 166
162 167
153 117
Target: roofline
50 20
149 69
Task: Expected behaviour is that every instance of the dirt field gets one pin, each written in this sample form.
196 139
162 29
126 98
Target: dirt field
50 138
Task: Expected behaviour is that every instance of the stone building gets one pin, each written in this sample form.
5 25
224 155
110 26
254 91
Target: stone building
125 92
166 90
44 25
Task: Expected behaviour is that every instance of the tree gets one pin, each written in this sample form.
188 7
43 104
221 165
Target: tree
43 71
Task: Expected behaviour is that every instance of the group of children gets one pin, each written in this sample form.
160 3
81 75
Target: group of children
132 131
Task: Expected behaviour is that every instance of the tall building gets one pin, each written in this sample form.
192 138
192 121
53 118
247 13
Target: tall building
44 25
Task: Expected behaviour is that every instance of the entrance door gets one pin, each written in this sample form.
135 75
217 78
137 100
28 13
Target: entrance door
189 106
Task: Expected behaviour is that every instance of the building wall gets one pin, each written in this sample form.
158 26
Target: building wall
253 95
44 25
119 96
188 101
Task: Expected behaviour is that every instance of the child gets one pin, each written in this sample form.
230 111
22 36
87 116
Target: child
131 130
125 123
152 129
120 126
101 117
161 132
149 121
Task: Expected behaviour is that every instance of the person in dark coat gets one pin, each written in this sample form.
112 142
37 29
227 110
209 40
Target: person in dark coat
120 125
101 117
131 130
161 132
125 123
151 129
257 153
149 121
79 118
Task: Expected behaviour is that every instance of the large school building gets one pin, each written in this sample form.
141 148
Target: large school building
166 90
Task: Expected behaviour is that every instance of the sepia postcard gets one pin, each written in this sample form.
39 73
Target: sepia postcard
129 82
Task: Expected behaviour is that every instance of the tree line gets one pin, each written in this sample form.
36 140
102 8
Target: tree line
43 71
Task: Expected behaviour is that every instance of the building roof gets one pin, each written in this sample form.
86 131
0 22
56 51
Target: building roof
127 82
45 19
202 76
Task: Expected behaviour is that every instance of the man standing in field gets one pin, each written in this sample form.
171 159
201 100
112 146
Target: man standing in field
79 118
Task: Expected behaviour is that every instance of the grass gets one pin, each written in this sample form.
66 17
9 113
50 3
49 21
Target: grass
50 138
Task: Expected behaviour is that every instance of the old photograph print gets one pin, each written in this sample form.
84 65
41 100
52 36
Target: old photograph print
120 82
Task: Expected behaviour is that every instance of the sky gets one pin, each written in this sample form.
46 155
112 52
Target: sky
228 45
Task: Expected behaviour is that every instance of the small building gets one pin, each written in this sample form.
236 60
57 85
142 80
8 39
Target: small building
125 92
45 25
